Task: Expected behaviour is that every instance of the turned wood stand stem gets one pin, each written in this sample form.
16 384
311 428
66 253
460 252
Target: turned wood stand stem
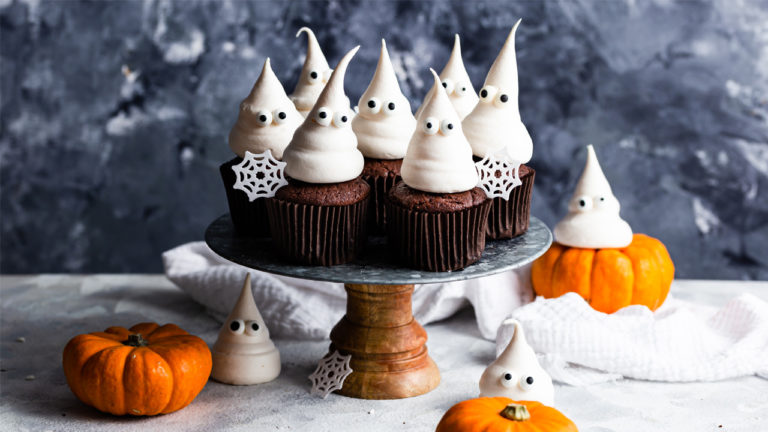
389 355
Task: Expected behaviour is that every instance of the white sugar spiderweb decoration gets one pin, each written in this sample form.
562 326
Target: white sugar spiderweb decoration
498 177
259 175
330 374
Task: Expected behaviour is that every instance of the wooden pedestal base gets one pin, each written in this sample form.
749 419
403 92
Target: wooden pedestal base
389 356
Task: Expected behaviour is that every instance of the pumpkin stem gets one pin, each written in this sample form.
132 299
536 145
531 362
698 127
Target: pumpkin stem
135 340
516 412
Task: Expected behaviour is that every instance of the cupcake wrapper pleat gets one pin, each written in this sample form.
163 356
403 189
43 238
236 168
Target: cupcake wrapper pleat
511 218
438 242
318 235
377 213
248 217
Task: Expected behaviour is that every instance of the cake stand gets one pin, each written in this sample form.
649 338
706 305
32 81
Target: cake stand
388 347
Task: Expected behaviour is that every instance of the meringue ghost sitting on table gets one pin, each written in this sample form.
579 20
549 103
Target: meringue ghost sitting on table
243 353
439 158
267 118
314 75
324 148
593 219
516 373
385 122
494 127
456 83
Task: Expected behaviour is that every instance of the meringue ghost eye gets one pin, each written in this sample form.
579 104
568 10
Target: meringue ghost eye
313 77
507 379
389 108
252 328
323 116
430 125
448 85
501 100
461 89
280 116
237 326
373 105
447 127
584 203
487 93
341 120
526 382
264 118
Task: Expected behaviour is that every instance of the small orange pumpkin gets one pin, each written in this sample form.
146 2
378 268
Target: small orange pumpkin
144 370
500 414
608 279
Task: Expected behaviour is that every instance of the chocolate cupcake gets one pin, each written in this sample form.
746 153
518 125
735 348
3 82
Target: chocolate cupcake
383 128
266 121
494 128
320 217
438 217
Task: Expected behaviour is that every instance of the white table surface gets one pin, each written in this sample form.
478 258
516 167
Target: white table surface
48 310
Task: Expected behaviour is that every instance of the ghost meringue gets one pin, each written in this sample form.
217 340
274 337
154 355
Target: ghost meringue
385 123
324 148
267 118
314 75
516 373
456 83
593 219
494 126
243 353
439 158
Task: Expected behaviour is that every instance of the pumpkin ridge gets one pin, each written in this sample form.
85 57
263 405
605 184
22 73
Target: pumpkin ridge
104 396
172 378
77 346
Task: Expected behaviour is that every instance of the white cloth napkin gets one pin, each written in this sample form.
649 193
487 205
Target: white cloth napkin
308 309
680 342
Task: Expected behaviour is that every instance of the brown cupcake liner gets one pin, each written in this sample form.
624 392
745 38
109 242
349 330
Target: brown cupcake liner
511 218
377 213
318 235
248 217
438 242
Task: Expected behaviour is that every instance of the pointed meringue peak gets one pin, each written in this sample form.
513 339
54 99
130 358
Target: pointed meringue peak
384 79
267 90
592 180
314 74
503 72
593 219
333 95
315 56
516 373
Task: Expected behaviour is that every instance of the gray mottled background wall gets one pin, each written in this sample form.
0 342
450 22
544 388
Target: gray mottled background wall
115 114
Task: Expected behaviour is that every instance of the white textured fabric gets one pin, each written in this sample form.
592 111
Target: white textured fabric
297 308
681 342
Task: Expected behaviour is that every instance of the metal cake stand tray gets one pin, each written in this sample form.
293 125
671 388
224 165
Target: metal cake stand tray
388 347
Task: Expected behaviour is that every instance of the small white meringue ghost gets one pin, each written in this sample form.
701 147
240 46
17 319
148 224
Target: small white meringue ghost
494 126
456 83
593 219
243 353
314 75
516 373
